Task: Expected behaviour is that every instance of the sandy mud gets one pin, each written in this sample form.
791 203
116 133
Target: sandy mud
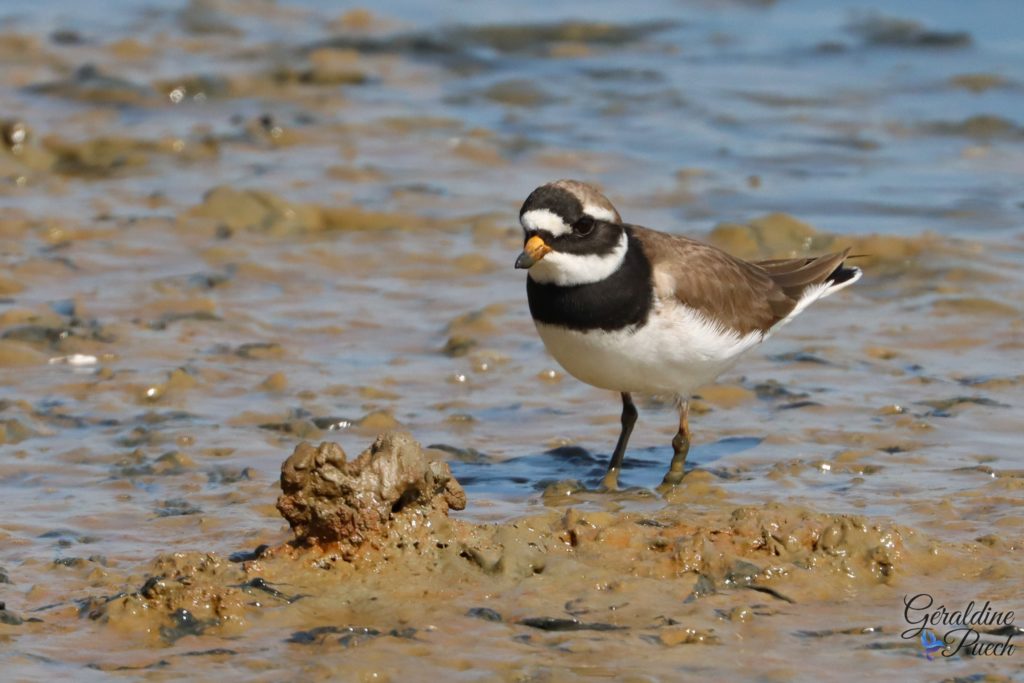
377 563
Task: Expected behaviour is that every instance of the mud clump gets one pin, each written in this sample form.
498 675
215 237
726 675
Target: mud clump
185 594
90 85
812 549
328 499
234 210
885 31
257 211
983 127
777 234
773 233
459 47
979 82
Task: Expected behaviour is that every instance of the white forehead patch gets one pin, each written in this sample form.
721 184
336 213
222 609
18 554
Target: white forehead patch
600 213
543 219
566 270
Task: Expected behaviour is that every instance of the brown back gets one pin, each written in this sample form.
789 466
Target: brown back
743 296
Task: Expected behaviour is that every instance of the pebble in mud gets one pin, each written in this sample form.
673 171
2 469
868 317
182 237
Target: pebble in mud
686 636
328 499
350 636
563 624
14 134
485 613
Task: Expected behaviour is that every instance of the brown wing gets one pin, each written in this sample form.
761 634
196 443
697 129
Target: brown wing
794 275
741 295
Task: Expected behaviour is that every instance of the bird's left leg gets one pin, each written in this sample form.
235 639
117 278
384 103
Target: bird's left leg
629 413
680 447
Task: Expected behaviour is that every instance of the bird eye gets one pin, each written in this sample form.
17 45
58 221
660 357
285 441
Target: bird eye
584 226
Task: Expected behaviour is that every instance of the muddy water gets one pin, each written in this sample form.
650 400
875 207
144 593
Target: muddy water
230 227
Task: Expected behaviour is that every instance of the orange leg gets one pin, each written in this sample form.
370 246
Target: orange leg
680 447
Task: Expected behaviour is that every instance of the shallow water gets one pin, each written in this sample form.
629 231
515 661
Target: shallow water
367 285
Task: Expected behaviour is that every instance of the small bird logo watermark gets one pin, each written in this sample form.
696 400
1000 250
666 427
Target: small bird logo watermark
931 643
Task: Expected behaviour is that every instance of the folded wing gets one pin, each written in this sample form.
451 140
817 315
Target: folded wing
740 295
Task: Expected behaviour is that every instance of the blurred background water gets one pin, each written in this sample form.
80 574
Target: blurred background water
262 222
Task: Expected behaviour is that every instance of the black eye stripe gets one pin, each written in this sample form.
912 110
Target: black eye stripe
584 226
602 239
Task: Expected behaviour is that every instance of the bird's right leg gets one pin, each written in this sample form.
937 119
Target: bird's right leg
629 414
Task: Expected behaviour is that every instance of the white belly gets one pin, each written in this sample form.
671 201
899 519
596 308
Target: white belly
677 351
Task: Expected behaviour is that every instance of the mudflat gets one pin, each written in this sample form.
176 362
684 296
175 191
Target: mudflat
232 232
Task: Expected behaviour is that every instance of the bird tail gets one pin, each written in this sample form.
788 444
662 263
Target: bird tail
823 275
805 280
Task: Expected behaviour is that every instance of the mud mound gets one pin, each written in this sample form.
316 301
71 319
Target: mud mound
789 552
185 594
329 499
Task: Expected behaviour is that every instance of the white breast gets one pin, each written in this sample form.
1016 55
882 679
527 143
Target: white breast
678 350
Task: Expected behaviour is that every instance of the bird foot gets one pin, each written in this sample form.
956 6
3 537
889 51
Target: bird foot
671 480
610 482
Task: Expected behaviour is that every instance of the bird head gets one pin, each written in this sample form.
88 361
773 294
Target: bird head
572 234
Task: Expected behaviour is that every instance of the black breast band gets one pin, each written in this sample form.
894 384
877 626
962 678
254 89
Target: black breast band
621 300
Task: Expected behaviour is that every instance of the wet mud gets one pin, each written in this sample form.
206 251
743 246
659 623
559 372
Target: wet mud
235 231
625 588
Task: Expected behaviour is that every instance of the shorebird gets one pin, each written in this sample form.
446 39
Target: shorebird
634 310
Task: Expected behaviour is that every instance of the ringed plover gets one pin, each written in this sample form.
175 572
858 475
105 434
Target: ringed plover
634 310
